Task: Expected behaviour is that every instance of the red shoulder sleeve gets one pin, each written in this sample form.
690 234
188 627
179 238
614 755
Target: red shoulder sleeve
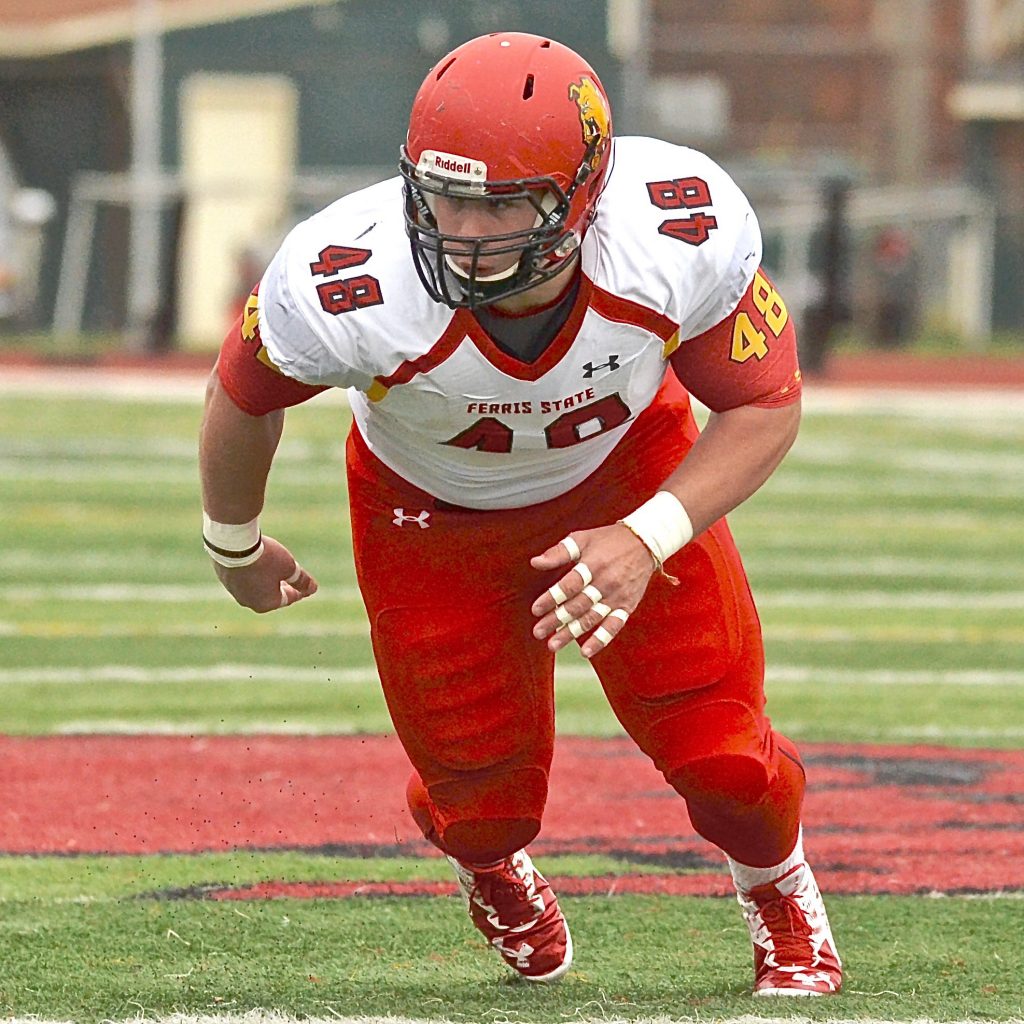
749 358
249 375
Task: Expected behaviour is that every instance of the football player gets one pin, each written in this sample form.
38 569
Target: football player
519 318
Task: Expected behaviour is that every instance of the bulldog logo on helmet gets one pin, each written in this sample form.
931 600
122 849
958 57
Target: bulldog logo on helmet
595 117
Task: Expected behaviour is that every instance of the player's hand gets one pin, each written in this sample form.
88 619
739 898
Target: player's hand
608 570
275 580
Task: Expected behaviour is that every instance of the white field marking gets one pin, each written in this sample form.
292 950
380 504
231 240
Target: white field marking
950 405
940 732
189 593
229 725
992 484
508 1016
261 627
914 459
160 593
832 565
794 561
147 385
143 449
286 474
123 385
938 599
904 486
809 521
226 672
233 725
902 634
880 734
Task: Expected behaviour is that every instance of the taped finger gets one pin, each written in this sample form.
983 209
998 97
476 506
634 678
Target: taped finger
584 570
571 547
563 615
602 609
602 636
593 593
619 613
294 578
576 628
557 594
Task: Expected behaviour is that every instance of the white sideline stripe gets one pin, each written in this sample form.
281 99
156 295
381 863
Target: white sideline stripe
224 727
257 630
240 726
124 385
362 674
287 472
174 593
907 485
994 484
187 593
778 562
878 565
915 459
145 385
76 449
261 628
819 599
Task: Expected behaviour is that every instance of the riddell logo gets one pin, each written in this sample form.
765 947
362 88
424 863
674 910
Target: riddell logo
452 165
445 163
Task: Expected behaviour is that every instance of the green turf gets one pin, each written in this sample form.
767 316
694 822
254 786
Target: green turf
884 555
92 960
881 555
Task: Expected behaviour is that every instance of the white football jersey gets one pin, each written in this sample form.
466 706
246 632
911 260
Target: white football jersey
671 252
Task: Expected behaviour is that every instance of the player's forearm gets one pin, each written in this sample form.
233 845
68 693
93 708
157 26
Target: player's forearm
235 454
735 454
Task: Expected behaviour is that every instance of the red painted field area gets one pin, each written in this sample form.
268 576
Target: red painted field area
878 819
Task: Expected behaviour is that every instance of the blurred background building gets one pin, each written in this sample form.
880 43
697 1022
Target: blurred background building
154 152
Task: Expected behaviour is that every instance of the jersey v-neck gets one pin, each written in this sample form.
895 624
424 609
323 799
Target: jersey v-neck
545 334
525 336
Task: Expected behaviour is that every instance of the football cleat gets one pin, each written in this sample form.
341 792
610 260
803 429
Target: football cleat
794 952
513 906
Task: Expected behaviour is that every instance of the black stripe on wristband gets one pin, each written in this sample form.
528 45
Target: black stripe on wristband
234 554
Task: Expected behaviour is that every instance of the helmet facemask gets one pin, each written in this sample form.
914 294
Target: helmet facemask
540 249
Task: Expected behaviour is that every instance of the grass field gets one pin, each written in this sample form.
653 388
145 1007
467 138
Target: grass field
886 558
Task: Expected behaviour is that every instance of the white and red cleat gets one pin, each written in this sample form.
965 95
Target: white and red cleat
794 952
515 909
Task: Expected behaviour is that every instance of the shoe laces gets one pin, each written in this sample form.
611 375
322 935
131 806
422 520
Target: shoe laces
504 890
786 922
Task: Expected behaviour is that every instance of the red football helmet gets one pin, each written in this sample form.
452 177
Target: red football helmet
514 116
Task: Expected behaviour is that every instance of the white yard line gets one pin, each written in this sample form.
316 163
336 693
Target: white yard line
776 562
363 674
189 593
135 385
511 1016
263 627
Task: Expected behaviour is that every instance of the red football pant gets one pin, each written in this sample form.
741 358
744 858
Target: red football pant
471 691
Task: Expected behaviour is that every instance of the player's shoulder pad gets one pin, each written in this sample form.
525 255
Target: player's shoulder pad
674 233
341 289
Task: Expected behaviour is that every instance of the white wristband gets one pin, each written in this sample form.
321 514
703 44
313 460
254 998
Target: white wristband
232 544
662 525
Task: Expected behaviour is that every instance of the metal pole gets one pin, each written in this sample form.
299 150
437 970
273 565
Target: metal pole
147 113
629 39
911 91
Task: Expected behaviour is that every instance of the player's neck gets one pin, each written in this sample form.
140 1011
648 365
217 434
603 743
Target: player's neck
543 294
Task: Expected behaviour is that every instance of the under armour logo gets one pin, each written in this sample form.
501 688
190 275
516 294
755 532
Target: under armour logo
813 978
522 954
401 517
589 369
